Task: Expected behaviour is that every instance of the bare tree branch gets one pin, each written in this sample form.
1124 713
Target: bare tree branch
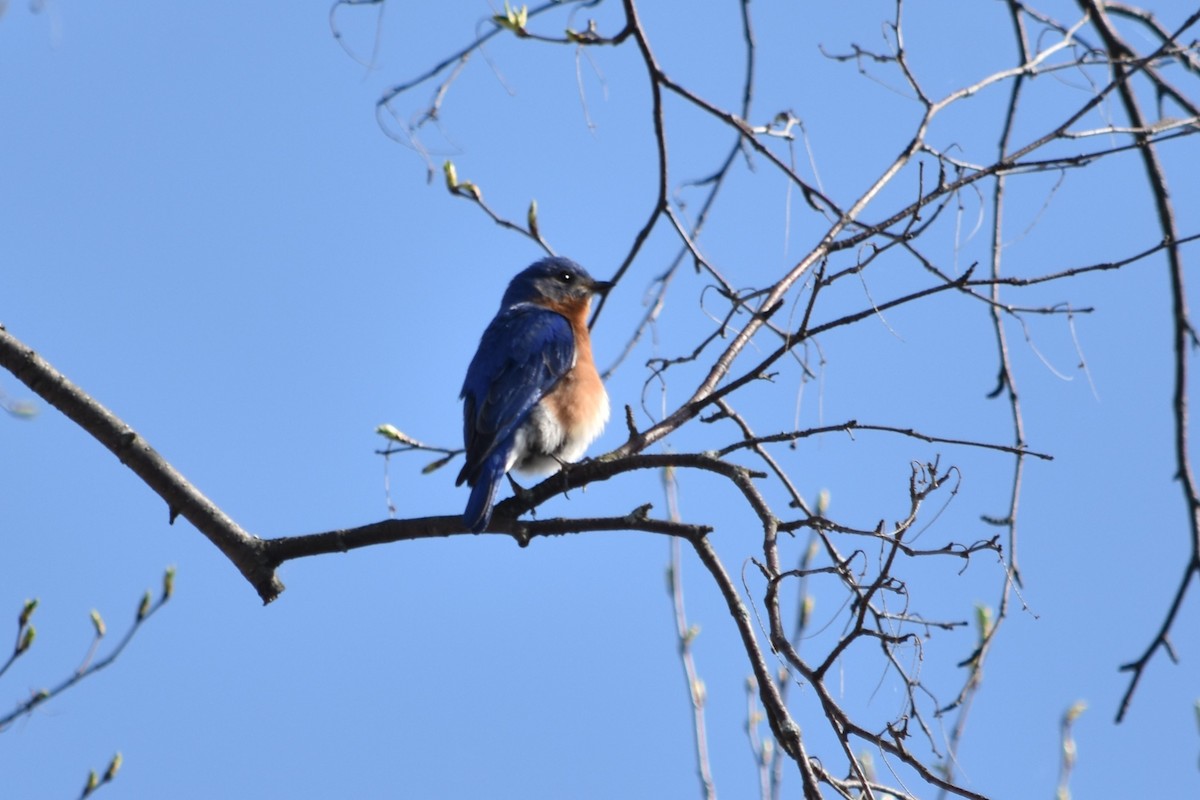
1184 334
182 499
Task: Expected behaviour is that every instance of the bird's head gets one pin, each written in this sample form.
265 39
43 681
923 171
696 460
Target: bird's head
554 282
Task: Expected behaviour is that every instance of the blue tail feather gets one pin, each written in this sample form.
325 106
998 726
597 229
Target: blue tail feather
478 512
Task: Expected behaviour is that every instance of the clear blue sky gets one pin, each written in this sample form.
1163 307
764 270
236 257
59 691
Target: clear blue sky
203 225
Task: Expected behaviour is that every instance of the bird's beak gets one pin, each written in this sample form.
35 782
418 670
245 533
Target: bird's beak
602 287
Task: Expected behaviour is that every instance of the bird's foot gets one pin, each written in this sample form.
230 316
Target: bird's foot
521 493
564 471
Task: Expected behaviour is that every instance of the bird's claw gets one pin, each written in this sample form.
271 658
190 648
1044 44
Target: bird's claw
521 493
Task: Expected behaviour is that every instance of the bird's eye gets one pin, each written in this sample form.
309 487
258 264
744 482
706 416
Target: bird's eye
566 277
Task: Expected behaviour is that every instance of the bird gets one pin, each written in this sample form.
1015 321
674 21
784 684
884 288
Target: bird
532 399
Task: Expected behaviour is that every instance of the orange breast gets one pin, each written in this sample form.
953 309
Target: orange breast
579 401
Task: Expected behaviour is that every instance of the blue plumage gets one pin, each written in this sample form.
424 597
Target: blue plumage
531 396
524 351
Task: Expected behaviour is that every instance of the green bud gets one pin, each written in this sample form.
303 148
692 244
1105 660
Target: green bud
144 606
531 217
1073 713
27 612
699 692
451 175
514 19
434 466
27 639
590 36
983 620
168 583
98 624
92 783
113 766
397 435
822 502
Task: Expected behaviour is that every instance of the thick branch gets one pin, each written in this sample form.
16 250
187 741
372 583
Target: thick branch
288 548
182 498
257 558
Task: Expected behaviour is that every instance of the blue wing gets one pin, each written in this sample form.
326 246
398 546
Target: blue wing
524 352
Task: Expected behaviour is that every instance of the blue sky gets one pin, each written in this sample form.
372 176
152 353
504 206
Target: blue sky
203 224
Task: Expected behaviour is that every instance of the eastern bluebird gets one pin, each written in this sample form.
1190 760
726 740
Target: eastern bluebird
532 398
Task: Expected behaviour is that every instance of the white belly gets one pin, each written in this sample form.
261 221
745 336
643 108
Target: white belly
541 444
